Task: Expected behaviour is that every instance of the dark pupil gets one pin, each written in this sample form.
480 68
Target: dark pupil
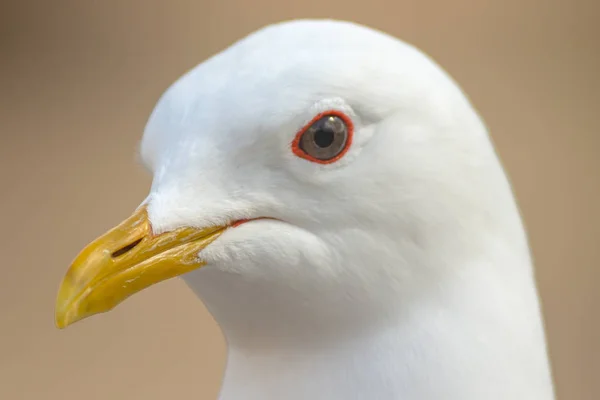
324 136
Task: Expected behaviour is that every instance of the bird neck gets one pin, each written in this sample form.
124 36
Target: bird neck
353 370
449 347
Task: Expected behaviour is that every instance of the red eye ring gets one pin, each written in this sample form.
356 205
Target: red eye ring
297 150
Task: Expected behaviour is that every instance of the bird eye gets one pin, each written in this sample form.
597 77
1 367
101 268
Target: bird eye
325 139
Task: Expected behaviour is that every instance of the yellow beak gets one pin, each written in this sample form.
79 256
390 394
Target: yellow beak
124 261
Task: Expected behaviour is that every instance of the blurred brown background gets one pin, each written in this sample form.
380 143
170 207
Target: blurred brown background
78 80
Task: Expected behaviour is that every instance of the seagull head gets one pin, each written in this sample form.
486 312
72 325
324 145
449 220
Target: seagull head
315 179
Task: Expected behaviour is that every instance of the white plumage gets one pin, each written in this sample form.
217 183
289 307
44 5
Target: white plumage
401 271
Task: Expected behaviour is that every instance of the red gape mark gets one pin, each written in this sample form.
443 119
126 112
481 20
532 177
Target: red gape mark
296 143
239 222
243 221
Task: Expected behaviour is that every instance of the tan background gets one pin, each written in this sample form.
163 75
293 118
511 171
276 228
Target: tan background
79 78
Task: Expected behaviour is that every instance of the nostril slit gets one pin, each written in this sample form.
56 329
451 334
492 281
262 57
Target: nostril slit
125 249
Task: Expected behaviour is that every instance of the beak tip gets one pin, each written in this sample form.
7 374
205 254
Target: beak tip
60 324
61 318
64 319
65 312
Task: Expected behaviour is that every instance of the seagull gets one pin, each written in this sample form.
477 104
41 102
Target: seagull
334 199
